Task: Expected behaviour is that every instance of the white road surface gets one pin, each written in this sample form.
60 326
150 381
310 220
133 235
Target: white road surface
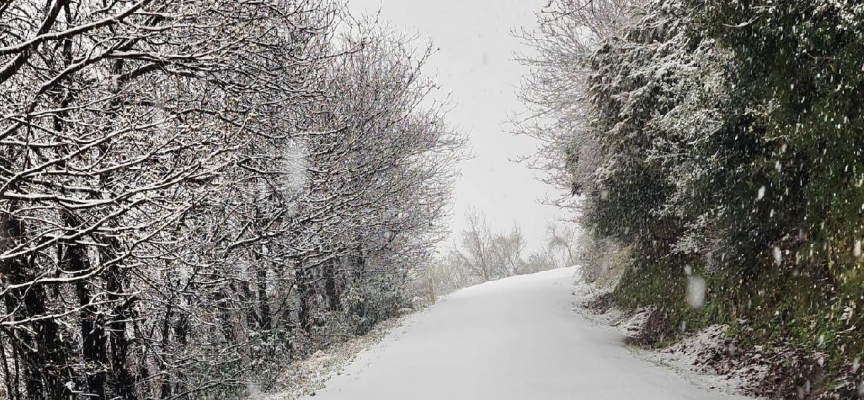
516 338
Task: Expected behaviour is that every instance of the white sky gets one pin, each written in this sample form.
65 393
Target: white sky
475 66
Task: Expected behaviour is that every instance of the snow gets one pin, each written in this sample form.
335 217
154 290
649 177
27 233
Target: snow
688 358
696 288
516 338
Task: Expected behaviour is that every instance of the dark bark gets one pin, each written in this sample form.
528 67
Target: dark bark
330 286
264 317
42 352
166 376
123 381
92 325
304 292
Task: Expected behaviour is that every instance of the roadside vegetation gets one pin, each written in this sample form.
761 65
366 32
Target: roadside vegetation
195 194
719 147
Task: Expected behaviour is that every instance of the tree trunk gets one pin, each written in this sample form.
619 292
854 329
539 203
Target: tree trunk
74 259
303 290
42 352
122 380
264 317
330 286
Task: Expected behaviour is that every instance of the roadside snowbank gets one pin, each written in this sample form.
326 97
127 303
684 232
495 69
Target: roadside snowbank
307 376
705 358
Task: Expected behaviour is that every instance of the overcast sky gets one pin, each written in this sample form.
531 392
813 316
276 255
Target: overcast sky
475 65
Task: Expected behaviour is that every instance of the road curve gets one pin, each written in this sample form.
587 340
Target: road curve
516 338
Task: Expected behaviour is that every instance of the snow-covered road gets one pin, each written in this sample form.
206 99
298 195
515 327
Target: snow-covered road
516 338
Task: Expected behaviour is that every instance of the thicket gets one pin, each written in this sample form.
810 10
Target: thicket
721 141
195 192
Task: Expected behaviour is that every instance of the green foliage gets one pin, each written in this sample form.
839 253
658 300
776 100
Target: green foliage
730 137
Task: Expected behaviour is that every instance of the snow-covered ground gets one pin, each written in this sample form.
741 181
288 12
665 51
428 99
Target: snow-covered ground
517 338
691 358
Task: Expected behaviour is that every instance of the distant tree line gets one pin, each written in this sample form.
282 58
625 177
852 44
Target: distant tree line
194 192
481 254
723 138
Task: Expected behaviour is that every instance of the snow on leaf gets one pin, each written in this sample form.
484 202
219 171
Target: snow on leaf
848 312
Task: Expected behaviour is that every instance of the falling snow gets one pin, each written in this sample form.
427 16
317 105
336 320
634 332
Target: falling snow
696 288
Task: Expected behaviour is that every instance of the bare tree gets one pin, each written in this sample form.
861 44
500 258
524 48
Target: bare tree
563 241
192 192
383 173
475 251
487 254
556 111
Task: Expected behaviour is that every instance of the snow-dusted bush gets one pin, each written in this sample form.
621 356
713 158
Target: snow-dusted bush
721 143
193 192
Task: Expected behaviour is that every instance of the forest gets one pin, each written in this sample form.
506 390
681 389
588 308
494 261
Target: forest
717 142
194 192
